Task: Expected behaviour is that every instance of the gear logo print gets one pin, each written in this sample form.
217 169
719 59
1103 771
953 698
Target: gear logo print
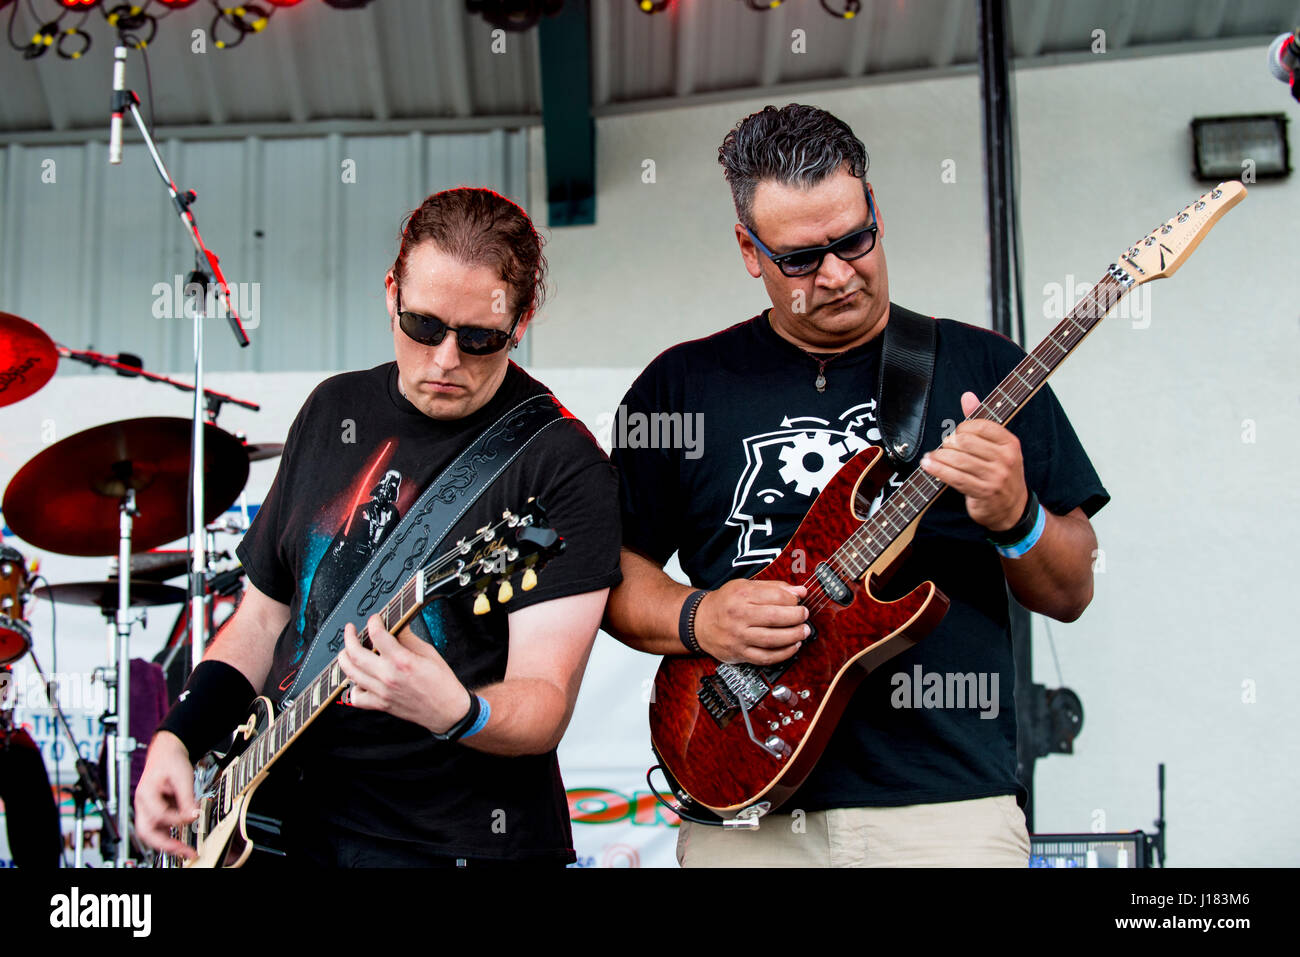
811 461
788 467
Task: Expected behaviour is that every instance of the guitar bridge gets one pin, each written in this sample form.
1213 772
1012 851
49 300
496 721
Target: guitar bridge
717 700
730 688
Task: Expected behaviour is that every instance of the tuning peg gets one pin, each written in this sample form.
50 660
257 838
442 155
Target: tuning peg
481 604
505 592
529 581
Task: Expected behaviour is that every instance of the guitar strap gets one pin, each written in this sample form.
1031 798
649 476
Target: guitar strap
424 526
906 374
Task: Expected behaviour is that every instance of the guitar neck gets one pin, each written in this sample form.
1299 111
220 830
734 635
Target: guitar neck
910 501
322 691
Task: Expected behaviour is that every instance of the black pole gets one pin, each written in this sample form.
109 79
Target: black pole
999 154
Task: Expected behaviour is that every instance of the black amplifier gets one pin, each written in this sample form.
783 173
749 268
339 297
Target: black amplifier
1130 849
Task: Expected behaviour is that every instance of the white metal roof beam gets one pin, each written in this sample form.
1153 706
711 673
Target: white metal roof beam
775 34
1118 36
216 108
686 42
1027 37
373 59
280 130
860 45
947 35
55 109
800 88
1209 19
452 20
291 81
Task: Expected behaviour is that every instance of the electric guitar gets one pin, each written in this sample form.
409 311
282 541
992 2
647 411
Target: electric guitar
224 784
738 739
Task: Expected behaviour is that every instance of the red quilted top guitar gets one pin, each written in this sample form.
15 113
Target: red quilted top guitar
738 739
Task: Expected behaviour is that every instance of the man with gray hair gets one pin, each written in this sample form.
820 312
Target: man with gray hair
787 397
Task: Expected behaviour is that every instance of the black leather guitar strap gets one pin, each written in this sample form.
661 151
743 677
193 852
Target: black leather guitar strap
424 526
906 374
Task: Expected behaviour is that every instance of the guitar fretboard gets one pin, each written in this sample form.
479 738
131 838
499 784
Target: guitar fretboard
920 489
315 697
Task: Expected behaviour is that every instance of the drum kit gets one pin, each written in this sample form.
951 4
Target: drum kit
121 489
124 489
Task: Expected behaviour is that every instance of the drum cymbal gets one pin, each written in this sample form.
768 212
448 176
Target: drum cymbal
66 499
156 566
104 594
261 451
28 358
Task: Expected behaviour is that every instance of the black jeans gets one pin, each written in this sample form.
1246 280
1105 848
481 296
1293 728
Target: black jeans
322 844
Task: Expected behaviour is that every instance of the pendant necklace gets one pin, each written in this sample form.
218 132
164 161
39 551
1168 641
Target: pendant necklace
820 381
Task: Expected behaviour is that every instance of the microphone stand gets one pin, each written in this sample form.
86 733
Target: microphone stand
87 787
122 102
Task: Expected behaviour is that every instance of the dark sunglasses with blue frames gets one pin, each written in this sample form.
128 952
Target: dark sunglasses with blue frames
471 340
805 262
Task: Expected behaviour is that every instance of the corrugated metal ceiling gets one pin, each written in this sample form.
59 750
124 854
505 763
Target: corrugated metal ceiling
420 61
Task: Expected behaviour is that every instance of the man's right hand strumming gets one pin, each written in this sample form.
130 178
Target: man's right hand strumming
164 797
759 622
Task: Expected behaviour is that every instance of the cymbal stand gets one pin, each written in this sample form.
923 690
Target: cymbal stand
117 679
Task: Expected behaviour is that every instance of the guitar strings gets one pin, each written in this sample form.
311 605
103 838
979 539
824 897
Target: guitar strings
432 570
1091 309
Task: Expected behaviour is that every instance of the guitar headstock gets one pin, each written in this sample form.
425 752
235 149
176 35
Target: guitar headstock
1159 253
518 542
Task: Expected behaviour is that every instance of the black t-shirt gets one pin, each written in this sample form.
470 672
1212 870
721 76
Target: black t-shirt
357 456
765 443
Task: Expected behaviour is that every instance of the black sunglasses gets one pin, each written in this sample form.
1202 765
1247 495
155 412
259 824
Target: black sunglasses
471 340
805 262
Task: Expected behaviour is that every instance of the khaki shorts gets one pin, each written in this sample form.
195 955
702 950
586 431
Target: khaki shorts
986 832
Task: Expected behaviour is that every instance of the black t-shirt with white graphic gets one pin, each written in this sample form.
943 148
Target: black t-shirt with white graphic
357 456
769 443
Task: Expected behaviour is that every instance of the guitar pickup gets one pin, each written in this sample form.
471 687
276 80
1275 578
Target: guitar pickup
834 586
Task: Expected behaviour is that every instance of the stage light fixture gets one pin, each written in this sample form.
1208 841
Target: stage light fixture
1241 147
848 9
513 15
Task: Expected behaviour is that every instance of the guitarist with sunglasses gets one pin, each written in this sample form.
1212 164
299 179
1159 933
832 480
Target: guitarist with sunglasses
909 777
446 754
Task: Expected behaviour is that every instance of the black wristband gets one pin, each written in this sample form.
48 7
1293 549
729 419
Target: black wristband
214 702
458 729
1009 536
686 622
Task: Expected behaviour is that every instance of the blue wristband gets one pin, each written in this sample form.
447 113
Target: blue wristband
485 712
1019 548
